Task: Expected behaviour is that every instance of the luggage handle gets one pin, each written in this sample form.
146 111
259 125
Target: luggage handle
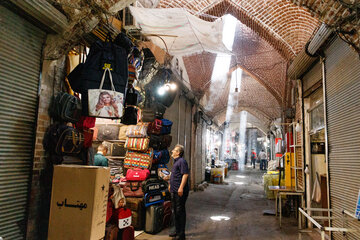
132 188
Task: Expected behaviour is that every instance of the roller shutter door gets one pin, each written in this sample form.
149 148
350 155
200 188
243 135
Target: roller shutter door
20 54
343 118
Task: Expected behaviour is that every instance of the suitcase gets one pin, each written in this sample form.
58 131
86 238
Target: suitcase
138 212
152 198
154 219
127 233
111 232
138 220
167 214
117 149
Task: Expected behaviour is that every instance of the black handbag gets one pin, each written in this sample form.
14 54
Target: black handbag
131 97
130 116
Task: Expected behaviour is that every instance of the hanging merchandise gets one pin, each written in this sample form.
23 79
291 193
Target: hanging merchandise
133 189
122 132
138 159
131 96
107 132
123 41
61 140
149 67
105 103
130 116
137 174
166 126
137 131
155 127
66 107
85 122
102 56
137 144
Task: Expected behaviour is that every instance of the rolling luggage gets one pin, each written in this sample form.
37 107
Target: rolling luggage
136 205
152 198
154 219
167 214
127 233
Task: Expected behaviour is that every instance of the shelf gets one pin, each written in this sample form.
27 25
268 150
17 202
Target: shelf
115 157
296 168
293 146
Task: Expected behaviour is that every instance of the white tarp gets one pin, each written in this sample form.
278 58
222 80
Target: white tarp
192 34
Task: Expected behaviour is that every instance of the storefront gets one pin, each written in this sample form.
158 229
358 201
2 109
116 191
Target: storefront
20 60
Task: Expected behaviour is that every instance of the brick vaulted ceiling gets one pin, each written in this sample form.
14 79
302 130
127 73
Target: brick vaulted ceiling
268 37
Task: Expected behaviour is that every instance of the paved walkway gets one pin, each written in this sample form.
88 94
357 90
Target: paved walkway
242 200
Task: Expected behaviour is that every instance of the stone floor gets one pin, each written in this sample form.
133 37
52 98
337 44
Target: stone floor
242 200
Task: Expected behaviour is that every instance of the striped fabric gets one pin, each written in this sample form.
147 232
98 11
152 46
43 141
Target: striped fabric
138 159
137 144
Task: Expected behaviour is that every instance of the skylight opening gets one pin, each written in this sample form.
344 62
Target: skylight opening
229 31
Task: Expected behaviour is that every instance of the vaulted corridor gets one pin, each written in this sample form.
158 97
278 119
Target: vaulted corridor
242 200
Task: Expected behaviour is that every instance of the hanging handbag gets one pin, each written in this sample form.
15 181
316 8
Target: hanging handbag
137 144
131 96
137 174
88 137
137 131
155 127
166 126
66 107
138 159
147 115
162 156
105 103
130 116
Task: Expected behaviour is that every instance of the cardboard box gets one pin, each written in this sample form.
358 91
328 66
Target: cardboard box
78 202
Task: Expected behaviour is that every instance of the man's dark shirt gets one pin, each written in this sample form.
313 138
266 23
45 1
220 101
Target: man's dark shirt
179 168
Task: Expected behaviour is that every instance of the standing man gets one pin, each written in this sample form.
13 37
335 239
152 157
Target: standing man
99 158
253 157
179 189
262 158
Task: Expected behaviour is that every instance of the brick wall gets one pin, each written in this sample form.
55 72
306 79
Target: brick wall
40 192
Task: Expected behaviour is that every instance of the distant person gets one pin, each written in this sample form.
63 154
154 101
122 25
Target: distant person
246 157
262 158
99 158
253 157
214 157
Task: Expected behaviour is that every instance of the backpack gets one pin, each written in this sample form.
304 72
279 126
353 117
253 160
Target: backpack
66 107
61 140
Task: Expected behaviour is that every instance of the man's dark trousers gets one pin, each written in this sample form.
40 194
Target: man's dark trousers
178 205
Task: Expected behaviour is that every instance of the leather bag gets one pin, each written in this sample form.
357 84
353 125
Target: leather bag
133 189
155 127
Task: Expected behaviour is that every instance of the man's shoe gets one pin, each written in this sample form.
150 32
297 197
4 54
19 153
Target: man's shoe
179 237
173 234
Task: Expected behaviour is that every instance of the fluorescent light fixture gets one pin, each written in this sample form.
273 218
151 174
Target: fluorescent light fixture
229 31
219 218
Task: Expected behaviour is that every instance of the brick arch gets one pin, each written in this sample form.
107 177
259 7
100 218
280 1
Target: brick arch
284 25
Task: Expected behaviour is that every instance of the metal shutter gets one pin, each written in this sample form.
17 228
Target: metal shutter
343 118
312 77
20 53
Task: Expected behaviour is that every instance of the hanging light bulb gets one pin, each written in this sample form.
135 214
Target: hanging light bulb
236 87
298 127
161 90
173 86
